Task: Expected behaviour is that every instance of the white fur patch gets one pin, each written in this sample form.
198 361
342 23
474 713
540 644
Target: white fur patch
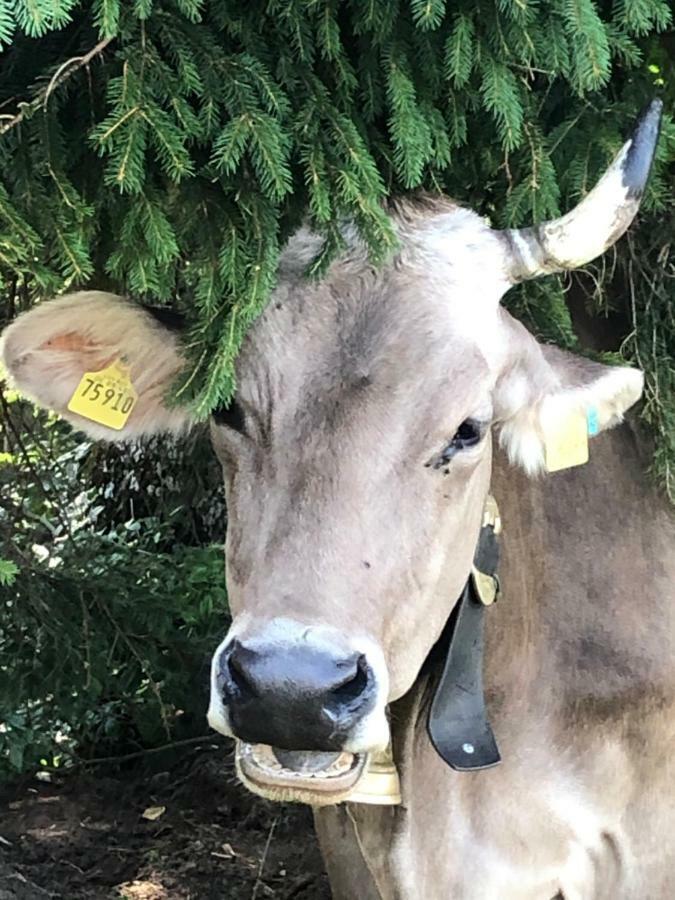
464 259
523 441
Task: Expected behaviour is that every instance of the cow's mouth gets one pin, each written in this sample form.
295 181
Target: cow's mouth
301 776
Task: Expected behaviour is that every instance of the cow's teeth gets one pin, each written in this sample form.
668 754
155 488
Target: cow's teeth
265 758
324 776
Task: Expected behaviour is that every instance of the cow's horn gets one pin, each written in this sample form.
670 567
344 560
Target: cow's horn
601 217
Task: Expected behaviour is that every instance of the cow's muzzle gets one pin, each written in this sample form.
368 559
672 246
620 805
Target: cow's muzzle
307 707
294 698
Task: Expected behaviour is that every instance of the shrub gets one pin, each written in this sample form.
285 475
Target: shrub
109 606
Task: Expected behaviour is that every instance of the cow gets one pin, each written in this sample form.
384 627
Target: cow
358 459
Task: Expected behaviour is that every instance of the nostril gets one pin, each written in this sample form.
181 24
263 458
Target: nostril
239 676
354 683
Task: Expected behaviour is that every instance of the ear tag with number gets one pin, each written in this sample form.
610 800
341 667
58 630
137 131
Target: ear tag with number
566 441
106 397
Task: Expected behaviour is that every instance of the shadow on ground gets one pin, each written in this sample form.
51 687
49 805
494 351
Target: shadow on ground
85 836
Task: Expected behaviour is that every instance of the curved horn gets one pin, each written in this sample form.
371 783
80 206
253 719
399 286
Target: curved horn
601 217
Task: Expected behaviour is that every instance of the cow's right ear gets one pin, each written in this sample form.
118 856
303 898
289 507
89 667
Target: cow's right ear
47 351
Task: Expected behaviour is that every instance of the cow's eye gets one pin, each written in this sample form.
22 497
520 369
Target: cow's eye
469 433
232 416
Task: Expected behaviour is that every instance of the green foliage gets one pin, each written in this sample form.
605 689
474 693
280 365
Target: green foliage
459 51
166 149
113 593
8 572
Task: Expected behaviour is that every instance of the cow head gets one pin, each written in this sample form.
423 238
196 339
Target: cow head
356 455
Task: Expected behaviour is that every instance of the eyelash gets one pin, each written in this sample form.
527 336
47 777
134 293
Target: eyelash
467 435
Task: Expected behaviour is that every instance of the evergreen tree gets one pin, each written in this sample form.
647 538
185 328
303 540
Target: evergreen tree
166 148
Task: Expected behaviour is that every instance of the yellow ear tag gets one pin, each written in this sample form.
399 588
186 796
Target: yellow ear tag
566 442
106 397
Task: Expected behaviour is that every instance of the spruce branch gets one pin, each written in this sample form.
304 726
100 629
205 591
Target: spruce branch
62 74
221 126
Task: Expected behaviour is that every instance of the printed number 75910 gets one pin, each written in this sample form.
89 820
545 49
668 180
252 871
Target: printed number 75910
93 391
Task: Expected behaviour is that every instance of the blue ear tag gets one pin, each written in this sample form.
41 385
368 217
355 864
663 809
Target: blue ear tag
592 420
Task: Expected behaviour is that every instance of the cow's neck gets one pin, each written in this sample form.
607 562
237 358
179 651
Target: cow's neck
587 567
579 639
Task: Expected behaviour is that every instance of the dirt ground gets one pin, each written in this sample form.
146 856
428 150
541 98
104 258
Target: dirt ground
192 833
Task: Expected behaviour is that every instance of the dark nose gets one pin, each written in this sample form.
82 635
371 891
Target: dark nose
295 698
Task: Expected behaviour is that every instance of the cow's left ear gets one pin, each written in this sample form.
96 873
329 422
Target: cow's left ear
545 391
48 351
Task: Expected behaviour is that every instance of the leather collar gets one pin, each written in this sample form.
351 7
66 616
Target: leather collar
458 723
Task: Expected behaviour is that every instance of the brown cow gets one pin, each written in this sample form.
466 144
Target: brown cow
357 458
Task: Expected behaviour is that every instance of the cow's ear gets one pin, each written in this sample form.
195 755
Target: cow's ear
47 351
545 392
